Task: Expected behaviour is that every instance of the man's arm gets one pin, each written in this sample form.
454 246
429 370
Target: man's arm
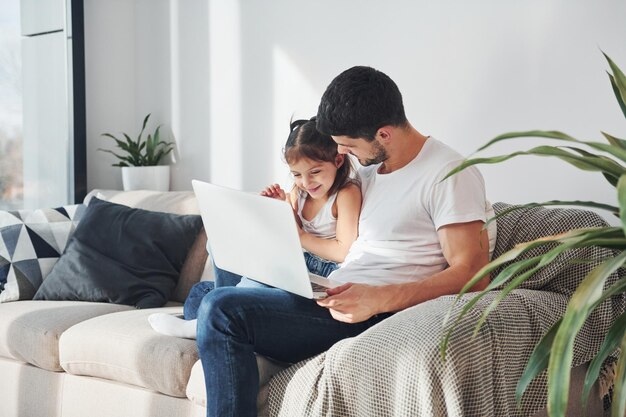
466 250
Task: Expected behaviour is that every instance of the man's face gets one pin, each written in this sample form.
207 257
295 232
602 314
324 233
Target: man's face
367 152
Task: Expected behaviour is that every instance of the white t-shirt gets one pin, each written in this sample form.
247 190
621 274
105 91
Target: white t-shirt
402 211
324 224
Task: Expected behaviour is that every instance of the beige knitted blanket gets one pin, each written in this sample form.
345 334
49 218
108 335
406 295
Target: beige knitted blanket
395 368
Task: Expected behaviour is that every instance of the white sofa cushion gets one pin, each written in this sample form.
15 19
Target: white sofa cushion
123 347
26 390
30 330
95 397
177 202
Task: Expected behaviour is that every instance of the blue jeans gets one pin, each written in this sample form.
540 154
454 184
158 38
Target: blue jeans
223 278
319 266
236 323
202 288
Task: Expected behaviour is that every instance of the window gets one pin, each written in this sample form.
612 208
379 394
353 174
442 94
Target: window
11 157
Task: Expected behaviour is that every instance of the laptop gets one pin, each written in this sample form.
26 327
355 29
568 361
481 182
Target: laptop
256 237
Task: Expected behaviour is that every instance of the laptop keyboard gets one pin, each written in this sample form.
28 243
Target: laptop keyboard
318 288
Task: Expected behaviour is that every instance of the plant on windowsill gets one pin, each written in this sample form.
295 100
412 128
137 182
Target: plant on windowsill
140 159
554 351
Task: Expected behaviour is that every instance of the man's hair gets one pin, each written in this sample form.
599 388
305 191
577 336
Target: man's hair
358 102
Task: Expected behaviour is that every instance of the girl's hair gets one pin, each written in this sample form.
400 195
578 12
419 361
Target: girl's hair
305 141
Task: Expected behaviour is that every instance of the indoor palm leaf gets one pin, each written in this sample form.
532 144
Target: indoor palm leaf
555 350
140 153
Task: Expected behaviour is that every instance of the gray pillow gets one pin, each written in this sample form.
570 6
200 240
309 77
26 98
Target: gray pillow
122 255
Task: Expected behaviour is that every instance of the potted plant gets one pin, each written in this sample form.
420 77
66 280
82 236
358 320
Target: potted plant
554 351
140 159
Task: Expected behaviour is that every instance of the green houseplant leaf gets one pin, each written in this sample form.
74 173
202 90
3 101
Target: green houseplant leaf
538 361
618 82
611 342
516 273
619 396
139 152
609 168
578 309
555 350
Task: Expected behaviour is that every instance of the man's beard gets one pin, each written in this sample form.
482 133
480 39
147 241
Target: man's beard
379 156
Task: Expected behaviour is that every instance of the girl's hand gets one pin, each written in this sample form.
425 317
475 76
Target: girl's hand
274 191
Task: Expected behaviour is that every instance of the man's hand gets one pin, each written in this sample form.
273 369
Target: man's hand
352 303
465 248
274 191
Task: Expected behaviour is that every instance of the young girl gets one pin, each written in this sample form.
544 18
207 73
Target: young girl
325 199
326 202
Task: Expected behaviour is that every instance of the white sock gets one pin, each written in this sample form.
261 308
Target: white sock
172 325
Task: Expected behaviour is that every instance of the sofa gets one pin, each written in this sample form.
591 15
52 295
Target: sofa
77 358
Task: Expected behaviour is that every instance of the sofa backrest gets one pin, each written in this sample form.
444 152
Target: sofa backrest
197 265
566 272
177 202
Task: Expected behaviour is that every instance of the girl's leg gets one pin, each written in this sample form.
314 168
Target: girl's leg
185 327
225 279
171 325
319 266
199 290
193 300
250 283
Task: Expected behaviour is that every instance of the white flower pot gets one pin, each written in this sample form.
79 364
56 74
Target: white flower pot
155 178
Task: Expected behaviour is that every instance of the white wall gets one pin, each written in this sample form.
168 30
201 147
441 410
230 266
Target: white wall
226 76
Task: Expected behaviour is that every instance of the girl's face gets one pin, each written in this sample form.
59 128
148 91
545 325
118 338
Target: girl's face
315 177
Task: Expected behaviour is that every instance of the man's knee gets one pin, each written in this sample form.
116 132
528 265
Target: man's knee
217 311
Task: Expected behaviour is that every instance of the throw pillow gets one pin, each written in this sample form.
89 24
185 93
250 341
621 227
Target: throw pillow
122 255
31 242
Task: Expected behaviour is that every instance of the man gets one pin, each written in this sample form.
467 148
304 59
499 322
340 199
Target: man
419 238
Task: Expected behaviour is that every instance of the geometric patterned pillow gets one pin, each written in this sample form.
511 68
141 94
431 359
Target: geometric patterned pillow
31 242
